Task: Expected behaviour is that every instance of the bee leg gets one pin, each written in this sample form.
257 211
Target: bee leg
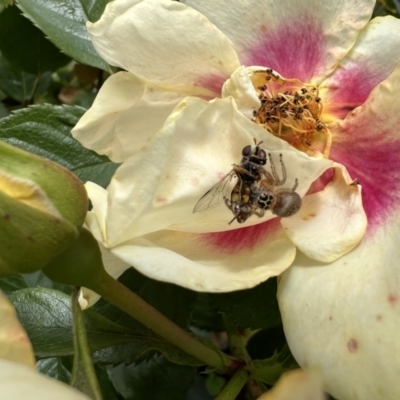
241 170
228 203
296 183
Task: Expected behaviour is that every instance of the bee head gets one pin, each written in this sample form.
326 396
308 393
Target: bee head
255 153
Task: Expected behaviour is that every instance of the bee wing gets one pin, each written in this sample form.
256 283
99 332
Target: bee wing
212 197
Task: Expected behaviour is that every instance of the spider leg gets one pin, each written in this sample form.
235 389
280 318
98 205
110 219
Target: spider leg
276 180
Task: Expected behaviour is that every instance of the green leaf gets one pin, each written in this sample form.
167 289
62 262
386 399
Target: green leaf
3 111
204 314
54 368
180 302
12 283
271 369
253 308
19 85
45 130
155 379
46 316
5 3
65 25
28 49
107 388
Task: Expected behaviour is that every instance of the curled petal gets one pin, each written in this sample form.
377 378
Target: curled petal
157 189
343 319
305 41
367 142
125 115
164 42
331 222
241 88
14 342
371 60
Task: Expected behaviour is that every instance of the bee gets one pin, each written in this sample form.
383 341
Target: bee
254 192
259 196
241 202
247 172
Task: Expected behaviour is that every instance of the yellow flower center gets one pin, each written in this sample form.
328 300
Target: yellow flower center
291 110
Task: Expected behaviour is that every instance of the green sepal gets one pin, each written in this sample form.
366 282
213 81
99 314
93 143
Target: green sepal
29 237
80 264
61 186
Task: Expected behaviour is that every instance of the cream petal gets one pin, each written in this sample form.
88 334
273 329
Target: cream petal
219 262
164 42
125 115
367 142
296 385
371 60
14 342
343 319
158 188
96 218
303 39
241 88
20 382
331 222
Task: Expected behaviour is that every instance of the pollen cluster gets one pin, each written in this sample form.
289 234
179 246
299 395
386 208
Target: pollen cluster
291 110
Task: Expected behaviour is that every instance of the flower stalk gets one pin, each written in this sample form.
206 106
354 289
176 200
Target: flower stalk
119 295
234 386
81 265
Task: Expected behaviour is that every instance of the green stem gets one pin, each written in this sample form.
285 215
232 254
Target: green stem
234 386
83 373
119 295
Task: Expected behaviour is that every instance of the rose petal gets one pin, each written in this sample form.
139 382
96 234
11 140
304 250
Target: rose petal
373 57
344 318
164 42
158 188
330 223
296 385
126 113
14 342
220 262
20 382
241 88
302 39
367 142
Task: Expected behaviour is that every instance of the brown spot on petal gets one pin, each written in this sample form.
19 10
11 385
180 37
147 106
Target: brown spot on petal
393 299
312 215
330 318
379 317
352 345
